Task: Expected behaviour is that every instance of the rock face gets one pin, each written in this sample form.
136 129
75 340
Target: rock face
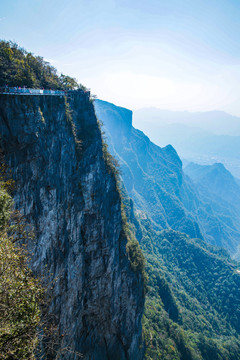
68 192
207 208
152 175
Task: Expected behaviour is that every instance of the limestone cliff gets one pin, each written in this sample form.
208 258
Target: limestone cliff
207 207
64 187
152 175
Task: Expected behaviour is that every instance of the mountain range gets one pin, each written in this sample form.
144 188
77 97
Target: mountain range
136 253
155 180
191 310
205 137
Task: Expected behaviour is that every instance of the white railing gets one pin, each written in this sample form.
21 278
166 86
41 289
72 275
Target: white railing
27 91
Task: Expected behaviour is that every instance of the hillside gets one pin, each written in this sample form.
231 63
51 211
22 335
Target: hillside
193 300
154 179
69 190
204 138
221 192
152 175
192 306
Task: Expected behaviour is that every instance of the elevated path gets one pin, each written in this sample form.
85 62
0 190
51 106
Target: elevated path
27 91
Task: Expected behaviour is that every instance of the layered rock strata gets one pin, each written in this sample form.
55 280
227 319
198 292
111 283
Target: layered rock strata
69 194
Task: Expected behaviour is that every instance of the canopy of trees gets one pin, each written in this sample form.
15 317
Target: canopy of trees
192 308
21 68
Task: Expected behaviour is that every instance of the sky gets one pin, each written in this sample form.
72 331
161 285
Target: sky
171 54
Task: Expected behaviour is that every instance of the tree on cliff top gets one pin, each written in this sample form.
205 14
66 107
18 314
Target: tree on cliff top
21 68
20 292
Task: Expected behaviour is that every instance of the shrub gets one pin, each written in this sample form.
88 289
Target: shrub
20 292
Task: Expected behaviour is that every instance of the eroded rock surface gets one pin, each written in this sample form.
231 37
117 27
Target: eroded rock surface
66 190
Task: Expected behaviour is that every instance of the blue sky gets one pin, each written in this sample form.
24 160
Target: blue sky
172 54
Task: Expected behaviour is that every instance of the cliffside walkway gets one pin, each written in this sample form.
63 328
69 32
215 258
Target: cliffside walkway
27 91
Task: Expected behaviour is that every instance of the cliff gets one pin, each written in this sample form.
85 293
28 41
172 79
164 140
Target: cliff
69 194
152 175
155 180
192 305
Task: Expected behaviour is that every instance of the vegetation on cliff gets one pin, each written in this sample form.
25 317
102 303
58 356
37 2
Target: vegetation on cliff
20 292
207 207
22 68
192 303
192 308
135 254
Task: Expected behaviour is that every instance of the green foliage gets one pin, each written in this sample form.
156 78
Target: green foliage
21 68
111 162
192 308
19 297
68 112
68 82
69 118
134 251
5 208
136 256
192 304
20 292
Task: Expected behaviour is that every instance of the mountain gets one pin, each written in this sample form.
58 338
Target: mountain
216 122
221 191
152 175
217 179
204 138
192 305
85 251
67 190
192 308
154 179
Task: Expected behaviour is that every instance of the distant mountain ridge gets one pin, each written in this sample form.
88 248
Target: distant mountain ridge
154 179
152 175
192 305
216 122
220 191
205 138
217 179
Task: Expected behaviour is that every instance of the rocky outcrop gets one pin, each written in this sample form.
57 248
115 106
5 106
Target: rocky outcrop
67 191
152 175
207 207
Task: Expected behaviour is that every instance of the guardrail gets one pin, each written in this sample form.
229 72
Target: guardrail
27 91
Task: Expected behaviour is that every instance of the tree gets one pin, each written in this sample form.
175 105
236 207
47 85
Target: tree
20 292
21 68
68 83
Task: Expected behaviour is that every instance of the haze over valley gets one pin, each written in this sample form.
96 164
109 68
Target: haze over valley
203 137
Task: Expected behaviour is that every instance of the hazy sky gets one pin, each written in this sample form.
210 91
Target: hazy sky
171 54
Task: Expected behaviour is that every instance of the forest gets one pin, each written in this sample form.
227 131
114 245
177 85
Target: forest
22 69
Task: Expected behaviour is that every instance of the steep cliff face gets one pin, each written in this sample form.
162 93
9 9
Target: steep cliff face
152 175
66 190
192 306
155 180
